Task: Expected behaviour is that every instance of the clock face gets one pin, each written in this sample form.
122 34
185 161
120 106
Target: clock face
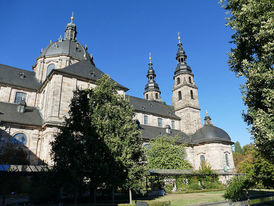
19 138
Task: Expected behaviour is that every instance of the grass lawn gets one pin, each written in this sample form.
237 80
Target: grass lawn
193 198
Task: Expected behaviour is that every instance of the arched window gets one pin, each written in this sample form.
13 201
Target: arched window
189 79
202 159
178 80
226 160
179 95
172 124
19 96
160 122
50 68
19 138
146 96
145 119
191 94
156 96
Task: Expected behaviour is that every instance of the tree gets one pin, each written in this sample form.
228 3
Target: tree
252 58
256 167
238 148
164 153
100 142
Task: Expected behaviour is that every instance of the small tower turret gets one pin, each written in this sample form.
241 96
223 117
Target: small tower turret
70 32
152 91
185 94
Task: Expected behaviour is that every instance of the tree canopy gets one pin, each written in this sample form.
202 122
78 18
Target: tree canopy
252 58
164 153
238 148
100 142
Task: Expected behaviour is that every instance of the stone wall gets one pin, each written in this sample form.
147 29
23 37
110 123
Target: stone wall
7 94
153 120
214 154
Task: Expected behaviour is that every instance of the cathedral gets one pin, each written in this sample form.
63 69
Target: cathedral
33 104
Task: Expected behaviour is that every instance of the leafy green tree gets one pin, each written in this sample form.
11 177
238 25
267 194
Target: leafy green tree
256 167
238 188
112 116
165 153
252 58
238 148
100 142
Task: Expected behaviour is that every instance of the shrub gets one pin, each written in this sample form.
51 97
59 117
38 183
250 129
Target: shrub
238 188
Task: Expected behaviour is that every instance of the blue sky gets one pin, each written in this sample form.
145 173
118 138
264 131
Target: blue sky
121 33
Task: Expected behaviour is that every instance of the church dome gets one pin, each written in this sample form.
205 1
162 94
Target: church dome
209 133
67 47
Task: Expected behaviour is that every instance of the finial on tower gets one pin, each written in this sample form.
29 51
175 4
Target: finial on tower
149 54
179 38
72 18
207 119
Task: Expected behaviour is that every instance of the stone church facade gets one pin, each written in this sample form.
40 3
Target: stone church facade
33 104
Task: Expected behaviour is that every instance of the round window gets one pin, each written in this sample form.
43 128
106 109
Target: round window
19 138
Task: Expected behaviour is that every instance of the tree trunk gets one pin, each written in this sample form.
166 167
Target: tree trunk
94 196
113 195
130 196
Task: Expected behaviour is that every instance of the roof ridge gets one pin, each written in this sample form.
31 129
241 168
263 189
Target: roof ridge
15 68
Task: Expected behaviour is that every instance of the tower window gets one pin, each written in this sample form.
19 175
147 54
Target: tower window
19 96
179 95
160 122
145 119
50 68
191 94
189 79
178 80
146 96
156 96
226 160
202 159
172 124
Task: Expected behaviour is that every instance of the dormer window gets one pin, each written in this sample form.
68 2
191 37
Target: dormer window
50 68
19 96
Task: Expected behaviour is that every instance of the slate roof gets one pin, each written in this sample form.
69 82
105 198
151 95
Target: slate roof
8 113
151 132
18 77
85 69
210 133
66 47
26 79
152 107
